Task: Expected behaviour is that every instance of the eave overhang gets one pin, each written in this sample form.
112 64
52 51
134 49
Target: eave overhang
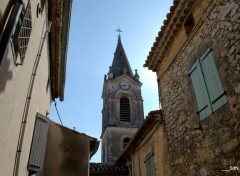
59 15
171 26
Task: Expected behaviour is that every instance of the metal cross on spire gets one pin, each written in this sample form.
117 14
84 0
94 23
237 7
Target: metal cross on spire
118 30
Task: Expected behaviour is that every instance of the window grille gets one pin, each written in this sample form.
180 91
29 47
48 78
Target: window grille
124 110
25 32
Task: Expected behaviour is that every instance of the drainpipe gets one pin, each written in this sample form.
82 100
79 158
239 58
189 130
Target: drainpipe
10 26
28 99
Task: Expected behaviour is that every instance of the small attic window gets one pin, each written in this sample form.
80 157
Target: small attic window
189 24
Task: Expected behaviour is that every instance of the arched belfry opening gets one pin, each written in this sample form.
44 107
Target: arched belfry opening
125 113
126 140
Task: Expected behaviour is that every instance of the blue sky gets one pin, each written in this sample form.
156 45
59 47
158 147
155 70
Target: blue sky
92 43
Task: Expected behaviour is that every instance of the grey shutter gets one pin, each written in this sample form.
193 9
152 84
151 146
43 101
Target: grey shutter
200 90
39 142
213 82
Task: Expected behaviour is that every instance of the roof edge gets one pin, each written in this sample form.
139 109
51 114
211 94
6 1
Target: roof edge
67 8
171 26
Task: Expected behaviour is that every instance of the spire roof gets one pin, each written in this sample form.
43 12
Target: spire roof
120 64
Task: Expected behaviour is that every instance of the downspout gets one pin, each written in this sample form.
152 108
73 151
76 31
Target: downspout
10 26
27 102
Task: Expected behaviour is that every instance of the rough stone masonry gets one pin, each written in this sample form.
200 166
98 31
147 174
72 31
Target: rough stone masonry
209 146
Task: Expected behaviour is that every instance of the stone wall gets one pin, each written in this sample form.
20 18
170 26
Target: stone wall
112 142
209 146
17 105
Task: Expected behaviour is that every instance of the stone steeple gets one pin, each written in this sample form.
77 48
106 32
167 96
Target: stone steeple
120 62
122 111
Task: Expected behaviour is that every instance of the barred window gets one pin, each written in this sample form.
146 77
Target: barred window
22 34
124 109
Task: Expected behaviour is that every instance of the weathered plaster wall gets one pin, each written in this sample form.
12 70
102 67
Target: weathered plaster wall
14 84
153 142
193 151
68 152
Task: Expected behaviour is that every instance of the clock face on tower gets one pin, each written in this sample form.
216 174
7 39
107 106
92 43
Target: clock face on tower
124 85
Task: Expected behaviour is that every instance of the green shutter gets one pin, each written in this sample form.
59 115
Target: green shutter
213 82
152 166
200 90
149 163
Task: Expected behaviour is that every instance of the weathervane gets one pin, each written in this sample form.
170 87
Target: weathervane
118 30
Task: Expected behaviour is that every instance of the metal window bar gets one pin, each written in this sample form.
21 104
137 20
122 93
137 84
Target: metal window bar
25 32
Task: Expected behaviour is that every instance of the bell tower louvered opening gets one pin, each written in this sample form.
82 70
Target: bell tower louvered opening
124 109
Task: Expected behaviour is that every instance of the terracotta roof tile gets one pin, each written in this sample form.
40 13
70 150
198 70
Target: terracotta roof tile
178 12
106 167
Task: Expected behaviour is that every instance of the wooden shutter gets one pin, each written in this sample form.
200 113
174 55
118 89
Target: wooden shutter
213 82
149 164
200 90
152 165
39 142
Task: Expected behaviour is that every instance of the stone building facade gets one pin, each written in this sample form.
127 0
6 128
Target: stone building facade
122 106
196 57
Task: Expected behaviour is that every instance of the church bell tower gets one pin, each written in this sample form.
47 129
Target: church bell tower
122 111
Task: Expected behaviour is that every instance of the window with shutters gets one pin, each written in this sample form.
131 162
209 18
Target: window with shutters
21 34
125 142
124 109
38 146
149 165
207 85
